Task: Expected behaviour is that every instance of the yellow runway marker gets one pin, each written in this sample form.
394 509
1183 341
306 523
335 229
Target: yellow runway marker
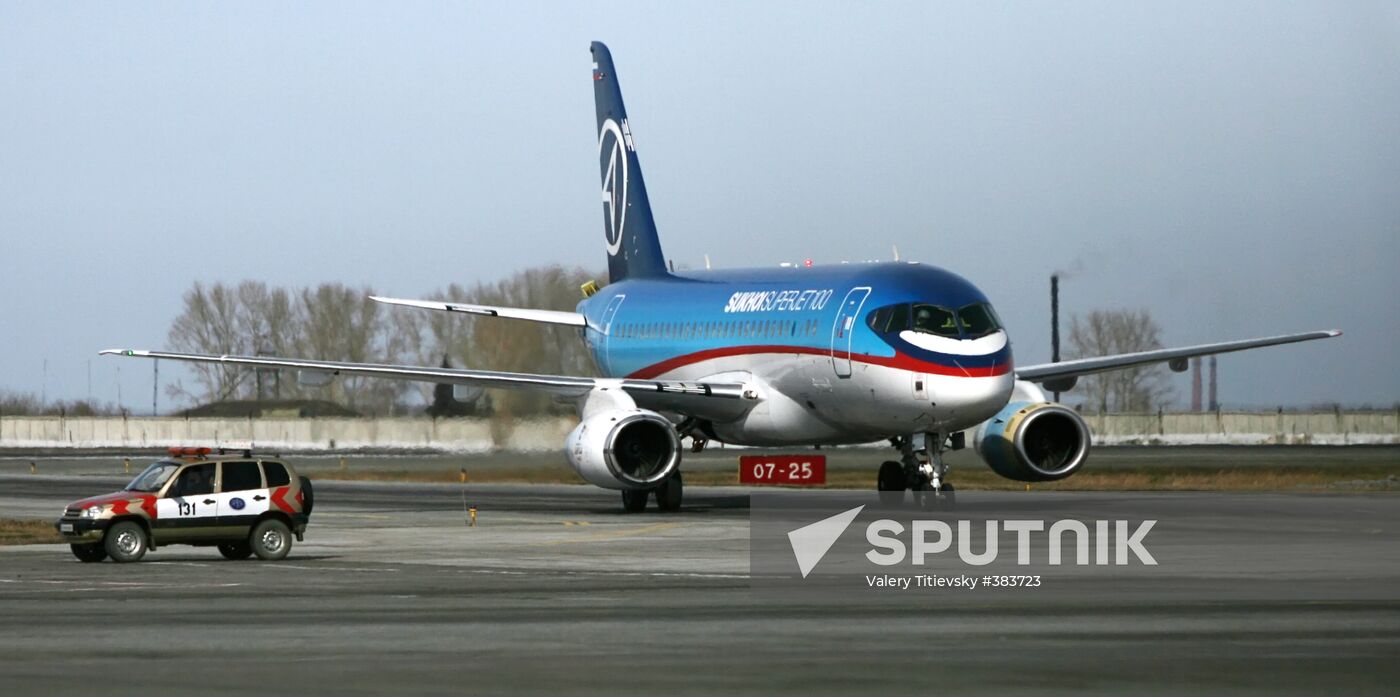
577 522
611 535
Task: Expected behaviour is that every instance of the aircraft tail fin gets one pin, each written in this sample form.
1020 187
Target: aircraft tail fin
634 251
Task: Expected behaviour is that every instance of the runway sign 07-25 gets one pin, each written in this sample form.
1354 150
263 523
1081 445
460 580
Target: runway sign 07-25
787 470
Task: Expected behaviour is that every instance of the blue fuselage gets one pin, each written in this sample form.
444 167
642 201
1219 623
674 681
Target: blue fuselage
853 346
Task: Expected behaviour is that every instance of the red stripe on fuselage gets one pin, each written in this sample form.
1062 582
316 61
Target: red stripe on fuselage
898 361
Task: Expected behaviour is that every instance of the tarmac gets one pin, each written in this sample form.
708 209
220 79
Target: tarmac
555 589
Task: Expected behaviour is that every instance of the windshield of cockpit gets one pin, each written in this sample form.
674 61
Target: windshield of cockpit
153 478
967 322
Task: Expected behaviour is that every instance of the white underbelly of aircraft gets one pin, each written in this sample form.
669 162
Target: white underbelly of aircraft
805 402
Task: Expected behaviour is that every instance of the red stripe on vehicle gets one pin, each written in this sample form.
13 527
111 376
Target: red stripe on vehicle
899 361
279 499
148 504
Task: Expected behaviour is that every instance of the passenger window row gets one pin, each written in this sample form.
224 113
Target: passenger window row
735 329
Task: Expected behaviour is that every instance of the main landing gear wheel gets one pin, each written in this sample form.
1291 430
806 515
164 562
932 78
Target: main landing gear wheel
668 495
635 500
89 553
925 472
891 484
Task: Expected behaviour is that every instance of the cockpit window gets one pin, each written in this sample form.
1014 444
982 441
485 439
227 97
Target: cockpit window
971 322
879 318
978 320
932 319
899 319
891 318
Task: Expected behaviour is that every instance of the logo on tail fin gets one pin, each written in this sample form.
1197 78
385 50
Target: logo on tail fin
614 182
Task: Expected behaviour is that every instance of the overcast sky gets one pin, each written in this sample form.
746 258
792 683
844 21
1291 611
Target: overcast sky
1232 167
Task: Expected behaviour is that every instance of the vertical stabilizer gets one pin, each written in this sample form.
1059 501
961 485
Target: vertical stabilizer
633 248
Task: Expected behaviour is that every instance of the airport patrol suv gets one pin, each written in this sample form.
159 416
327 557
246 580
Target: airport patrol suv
242 504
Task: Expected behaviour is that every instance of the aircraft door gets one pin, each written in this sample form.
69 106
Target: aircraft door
844 329
609 313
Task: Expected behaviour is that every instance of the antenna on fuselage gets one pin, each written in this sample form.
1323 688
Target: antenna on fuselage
707 262
895 247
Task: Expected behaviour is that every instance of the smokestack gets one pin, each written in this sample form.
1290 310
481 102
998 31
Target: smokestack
1055 322
1214 403
1196 383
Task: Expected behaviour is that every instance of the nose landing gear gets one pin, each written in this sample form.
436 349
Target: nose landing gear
922 471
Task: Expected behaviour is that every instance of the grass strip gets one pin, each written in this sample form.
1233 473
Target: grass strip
27 532
1153 478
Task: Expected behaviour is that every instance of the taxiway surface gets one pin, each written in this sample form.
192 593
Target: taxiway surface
557 590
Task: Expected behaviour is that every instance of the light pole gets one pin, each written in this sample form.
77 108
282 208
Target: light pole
1055 323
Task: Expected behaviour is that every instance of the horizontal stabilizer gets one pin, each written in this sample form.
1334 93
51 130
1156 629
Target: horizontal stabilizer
572 319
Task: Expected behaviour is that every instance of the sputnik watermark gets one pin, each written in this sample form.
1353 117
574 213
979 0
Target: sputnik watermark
1115 542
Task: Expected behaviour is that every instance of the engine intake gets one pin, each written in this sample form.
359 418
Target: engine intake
1034 442
624 449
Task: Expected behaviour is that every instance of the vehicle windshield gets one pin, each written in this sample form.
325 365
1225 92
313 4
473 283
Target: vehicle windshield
153 478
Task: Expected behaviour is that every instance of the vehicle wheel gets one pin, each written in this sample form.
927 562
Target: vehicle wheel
236 550
271 540
89 553
126 541
308 497
668 495
891 483
634 500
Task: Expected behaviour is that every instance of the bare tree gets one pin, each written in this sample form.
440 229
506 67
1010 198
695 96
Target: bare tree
336 322
342 324
210 323
28 404
273 321
1107 332
428 337
528 346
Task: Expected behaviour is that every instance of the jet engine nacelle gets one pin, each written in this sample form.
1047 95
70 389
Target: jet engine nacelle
1034 441
624 449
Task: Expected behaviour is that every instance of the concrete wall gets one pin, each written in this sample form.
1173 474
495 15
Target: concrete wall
479 435
1247 428
458 435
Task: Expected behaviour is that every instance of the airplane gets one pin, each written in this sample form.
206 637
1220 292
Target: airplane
902 352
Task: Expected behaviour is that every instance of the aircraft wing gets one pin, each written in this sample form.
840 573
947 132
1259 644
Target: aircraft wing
573 319
706 399
1088 366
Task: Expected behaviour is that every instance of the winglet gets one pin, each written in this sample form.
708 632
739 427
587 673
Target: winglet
123 352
